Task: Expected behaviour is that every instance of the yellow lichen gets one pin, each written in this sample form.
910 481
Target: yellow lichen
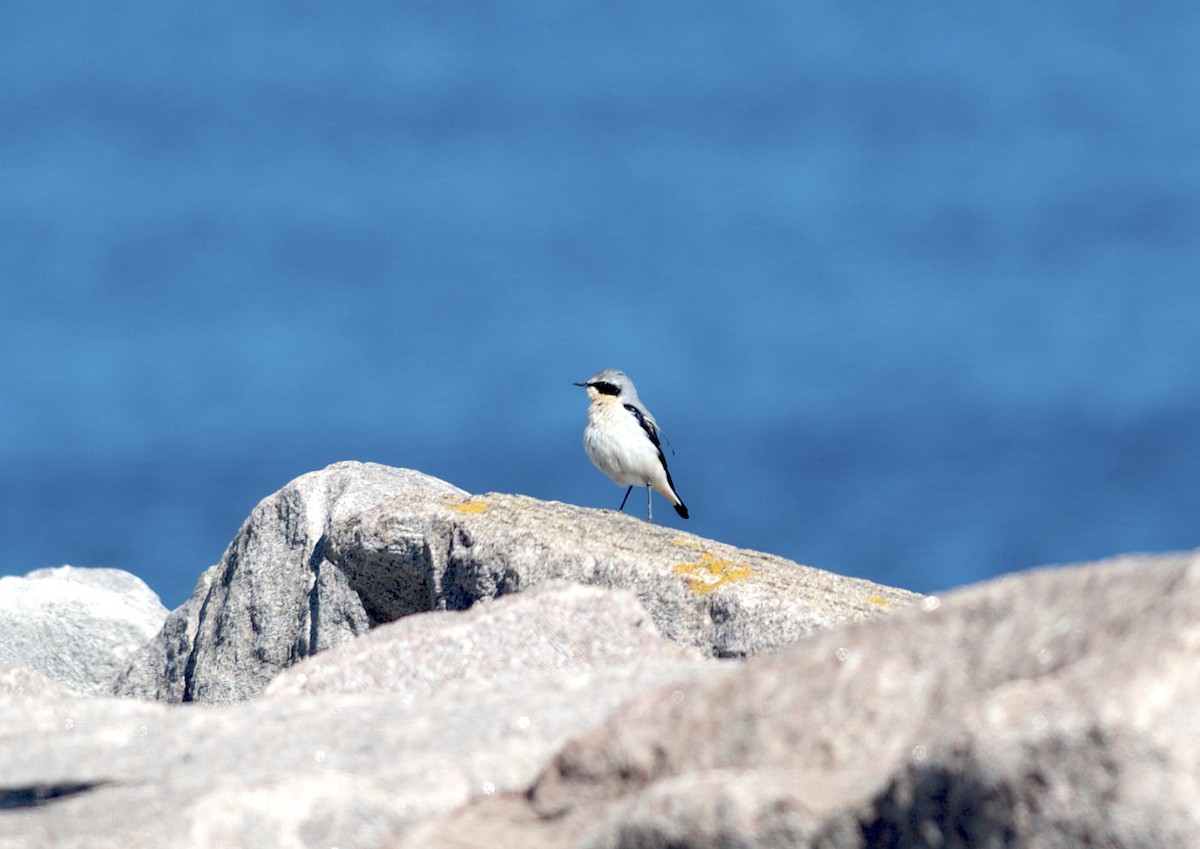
709 572
878 600
475 505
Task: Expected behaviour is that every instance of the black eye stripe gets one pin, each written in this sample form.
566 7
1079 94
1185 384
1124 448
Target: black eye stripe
606 388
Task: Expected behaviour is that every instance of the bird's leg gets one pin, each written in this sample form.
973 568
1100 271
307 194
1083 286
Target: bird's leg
649 509
623 500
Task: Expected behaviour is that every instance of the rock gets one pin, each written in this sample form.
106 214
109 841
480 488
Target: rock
17 682
1050 709
561 692
553 628
463 718
273 599
76 626
727 601
356 545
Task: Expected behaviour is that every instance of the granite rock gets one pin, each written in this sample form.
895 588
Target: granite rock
1056 708
339 551
273 598
552 628
729 602
76 626
338 764
446 670
18 682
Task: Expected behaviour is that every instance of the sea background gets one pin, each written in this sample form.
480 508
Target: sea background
913 289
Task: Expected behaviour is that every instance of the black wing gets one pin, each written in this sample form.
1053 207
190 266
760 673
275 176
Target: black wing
652 432
647 425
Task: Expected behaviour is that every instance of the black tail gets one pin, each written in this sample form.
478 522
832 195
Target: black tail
680 508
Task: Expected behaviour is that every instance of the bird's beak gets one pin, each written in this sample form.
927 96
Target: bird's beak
582 384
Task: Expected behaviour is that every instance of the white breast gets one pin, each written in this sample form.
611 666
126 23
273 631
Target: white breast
616 443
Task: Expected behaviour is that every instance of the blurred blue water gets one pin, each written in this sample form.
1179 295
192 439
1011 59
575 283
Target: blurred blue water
912 289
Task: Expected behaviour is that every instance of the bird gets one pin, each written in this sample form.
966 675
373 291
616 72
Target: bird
621 439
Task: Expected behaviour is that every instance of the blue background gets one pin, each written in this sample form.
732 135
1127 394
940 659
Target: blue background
912 288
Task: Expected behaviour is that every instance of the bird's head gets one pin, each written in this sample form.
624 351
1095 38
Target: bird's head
609 382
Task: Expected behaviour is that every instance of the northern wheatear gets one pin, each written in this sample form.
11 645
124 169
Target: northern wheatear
621 438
